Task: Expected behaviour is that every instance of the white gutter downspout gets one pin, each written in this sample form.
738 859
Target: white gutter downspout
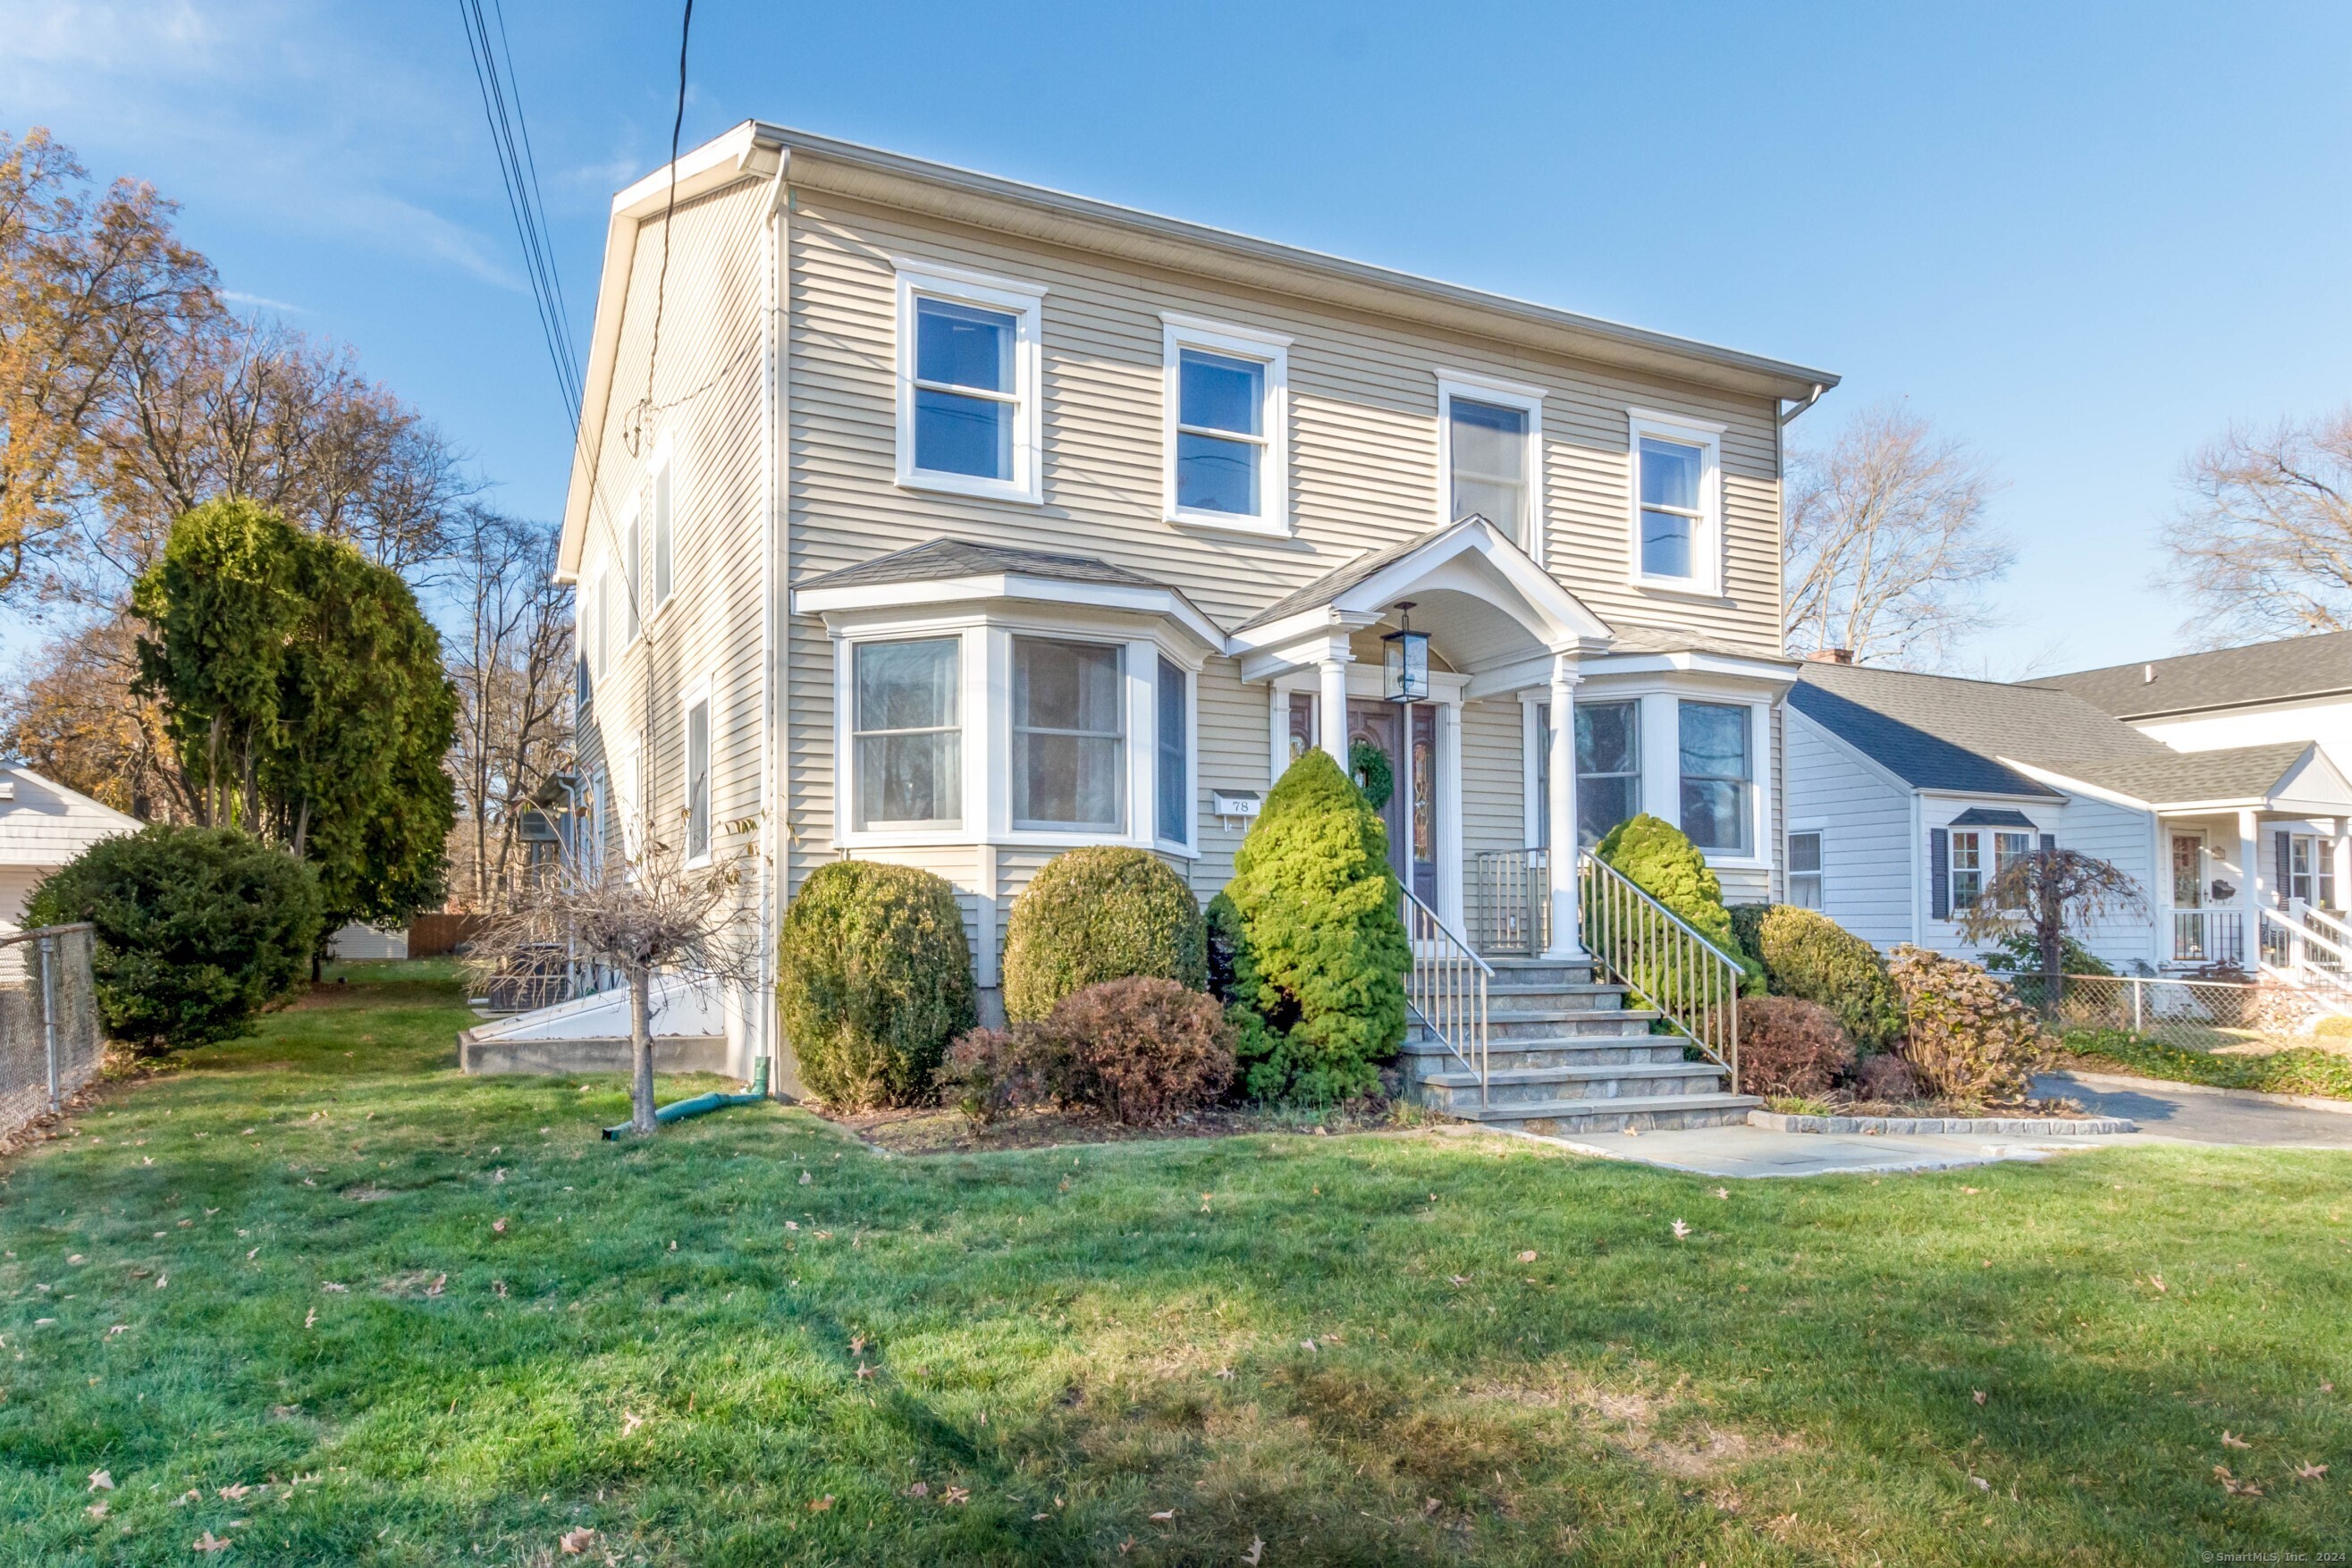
1810 398
775 837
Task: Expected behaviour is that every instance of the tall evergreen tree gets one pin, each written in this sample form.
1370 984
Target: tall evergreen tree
304 693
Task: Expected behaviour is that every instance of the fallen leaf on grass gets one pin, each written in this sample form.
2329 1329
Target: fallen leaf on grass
2233 1485
310 1319
185 1497
864 1372
1682 1230
1459 1278
2311 1472
956 1494
1978 1395
1256 1551
920 1488
95 1510
630 1422
208 1542
576 1542
1528 1256
338 1289
1429 1506
2231 1440
822 1505
1164 1516
2158 1281
1723 1192
500 1225
101 1481
438 1281
235 1493
806 1178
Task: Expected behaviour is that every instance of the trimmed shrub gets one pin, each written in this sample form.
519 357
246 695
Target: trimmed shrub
1316 946
198 929
875 979
1805 953
1099 913
1141 1049
1885 1077
1788 1046
1970 1040
1657 857
1747 925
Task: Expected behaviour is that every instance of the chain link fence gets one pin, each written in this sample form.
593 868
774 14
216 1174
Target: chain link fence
2193 1015
49 1039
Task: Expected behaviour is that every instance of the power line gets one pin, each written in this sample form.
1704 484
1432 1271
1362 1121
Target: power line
518 174
669 213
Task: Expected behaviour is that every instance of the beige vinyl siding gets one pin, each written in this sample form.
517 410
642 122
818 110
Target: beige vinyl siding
1493 781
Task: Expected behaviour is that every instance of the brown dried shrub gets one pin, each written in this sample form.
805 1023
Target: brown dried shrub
1884 1077
1970 1040
1143 1049
1789 1045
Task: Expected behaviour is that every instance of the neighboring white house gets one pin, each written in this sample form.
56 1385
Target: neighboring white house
44 824
2296 688
1907 793
958 522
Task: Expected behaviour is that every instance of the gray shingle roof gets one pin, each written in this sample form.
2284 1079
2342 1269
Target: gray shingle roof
958 558
1938 732
1333 584
2261 672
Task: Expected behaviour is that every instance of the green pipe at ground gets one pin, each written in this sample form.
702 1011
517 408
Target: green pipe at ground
703 1104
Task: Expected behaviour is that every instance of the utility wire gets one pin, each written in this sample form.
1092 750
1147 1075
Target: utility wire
518 174
669 213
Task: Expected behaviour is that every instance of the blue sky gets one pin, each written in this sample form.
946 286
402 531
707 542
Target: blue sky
2083 239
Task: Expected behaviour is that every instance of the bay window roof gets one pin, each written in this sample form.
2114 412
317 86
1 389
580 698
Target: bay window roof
954 571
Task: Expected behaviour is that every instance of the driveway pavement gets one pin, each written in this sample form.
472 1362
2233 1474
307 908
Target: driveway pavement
2191 1113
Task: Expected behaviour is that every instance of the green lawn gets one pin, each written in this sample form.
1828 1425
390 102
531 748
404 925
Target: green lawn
1057 1346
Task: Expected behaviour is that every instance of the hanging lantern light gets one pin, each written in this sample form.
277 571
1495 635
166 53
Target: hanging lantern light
1404 660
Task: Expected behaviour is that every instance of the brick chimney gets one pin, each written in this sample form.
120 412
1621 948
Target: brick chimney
1830 656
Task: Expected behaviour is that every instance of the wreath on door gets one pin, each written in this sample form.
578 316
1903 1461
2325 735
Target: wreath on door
1373 774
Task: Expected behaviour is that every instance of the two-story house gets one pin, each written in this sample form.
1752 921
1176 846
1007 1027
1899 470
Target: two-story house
924 516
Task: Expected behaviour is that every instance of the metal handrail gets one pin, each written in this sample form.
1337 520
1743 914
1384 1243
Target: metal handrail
2296 939
1445 987
1672 966
1514 900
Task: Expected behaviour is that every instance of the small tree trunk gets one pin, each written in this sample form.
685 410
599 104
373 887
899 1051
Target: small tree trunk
2051 937
641 1050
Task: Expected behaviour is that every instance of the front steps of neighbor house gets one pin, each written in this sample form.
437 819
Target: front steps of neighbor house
1565 1056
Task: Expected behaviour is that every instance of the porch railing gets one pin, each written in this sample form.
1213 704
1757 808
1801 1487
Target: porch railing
2209 936
1514 900
1446 988
2308 949
1693 983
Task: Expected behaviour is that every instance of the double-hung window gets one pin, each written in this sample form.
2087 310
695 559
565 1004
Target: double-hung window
969 367
2008 848
1069 765
662 527
697 779
1718 773
1968 869
1678 503
1805 869
1491 437
1227 453
2311 870
604 613
1608 766
1172 784
906 734
633 580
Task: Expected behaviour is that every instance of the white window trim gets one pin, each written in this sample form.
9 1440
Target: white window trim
1707 548
1024 301
1472 387
985 693
633 612
1189 843
1818 828
1179 332
665 458
697 691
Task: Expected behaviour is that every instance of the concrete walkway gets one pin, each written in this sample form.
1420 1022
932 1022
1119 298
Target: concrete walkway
1746 1152
2192 1113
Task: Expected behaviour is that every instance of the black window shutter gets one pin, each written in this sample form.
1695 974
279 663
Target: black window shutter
1939 873
2279 857
2049 842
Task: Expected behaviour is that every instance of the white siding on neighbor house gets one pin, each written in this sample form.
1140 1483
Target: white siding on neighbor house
2121 835
43 826
1866 823
2329 722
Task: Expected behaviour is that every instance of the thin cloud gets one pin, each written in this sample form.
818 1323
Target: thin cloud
262 303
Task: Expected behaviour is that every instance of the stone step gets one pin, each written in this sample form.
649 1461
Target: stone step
1563 998
1541 971
1514 1036
1536 1023
1423 1056
1458 1093
1573 1118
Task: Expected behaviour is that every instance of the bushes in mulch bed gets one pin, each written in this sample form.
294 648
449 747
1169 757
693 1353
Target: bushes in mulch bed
1140 1050
1789 1045
1102 912
874 979
1970 1040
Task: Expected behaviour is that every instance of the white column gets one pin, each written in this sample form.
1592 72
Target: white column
1565 940
2250 888
1331 721
2339 851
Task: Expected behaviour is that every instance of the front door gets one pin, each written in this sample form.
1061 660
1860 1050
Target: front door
2189 944
1410 813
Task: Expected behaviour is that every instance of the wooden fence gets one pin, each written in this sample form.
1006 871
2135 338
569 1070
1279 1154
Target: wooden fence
437 936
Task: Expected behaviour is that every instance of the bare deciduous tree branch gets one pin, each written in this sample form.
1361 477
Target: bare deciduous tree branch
2264 547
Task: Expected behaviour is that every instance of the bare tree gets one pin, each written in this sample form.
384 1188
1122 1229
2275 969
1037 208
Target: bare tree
651 915
2044 894
2264 547
510 660
1888 549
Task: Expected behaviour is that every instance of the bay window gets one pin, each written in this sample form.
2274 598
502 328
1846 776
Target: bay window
969 367
1227 396
1172 776
1717 775
906 737
1068 763
1608 767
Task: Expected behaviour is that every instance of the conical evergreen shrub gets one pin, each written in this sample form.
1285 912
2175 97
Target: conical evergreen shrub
1318 949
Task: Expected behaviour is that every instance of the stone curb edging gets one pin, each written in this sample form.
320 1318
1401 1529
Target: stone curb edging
2007 1127
2162 1086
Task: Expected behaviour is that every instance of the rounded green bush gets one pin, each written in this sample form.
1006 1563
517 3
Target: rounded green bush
1808 956
1310 934
1657 858
874 980
198 929
1103 913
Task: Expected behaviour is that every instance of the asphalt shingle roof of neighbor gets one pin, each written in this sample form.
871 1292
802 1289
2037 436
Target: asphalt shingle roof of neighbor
2260 672
1938 732
959 558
